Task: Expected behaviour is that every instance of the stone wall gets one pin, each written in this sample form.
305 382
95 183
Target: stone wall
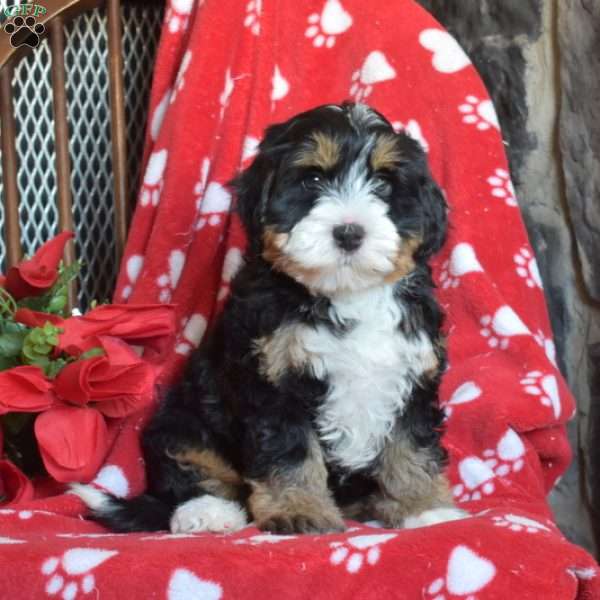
540 60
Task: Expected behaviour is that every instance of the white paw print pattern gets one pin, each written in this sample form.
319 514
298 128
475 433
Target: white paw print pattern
158 116
466 574
465 393
448 57
547 344
252 18
152 184
477 474
249 148
71 574
358 550
413 129
180 79
375 69
480 113
133 268
325 27
178 15
231 265
519 523
167 282
193 329
527 268
279 85
264 538
502 187
462 261
544 387
225 96
215 203
112 479
199 189
499 328
186 585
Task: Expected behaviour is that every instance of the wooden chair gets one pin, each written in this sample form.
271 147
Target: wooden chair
58 12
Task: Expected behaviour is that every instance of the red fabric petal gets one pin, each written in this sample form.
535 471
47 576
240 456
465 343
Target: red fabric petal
71 384
150 326
73 442
35 276
25 389
33 318
14 485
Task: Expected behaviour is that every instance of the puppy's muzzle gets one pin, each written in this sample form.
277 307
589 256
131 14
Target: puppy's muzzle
349 236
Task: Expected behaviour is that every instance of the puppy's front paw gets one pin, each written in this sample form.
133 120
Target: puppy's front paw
302 523
435 516
208 513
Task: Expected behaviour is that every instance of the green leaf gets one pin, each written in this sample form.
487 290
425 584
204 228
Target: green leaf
42 348
91 353
11 343
54 367
36 336
8 362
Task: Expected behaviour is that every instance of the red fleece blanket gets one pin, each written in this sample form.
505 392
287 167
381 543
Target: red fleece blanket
225 70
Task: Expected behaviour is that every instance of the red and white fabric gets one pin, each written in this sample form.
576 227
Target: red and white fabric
225 70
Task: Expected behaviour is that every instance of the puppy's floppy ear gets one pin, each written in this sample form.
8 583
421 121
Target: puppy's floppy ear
253 186
435 217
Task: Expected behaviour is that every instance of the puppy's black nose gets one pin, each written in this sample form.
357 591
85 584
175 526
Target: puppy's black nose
349 236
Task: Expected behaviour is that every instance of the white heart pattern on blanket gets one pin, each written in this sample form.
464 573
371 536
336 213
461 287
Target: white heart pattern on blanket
448 56
376 69
134 266
468 572
461 262
156 167
463 394
81 560
159 114
216 199
474 472
502 326
334 18
185 585
280 85
510 447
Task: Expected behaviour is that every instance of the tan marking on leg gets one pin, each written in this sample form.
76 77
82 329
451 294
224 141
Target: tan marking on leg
410 482
296 500
215 475
385 154
404 261
281 351
323 153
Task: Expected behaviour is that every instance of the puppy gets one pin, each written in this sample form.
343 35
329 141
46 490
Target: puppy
315 397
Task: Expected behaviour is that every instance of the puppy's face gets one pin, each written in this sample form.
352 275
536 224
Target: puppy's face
339 201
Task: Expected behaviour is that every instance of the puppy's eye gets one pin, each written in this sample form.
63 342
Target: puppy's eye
382 183
312 180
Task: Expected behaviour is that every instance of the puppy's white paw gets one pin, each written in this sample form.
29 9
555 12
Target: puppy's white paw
435 516
208 513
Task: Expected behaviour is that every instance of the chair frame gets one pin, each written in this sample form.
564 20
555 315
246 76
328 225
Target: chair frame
58 12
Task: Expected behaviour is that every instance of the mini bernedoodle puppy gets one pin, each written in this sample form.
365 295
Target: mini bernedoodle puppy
316 396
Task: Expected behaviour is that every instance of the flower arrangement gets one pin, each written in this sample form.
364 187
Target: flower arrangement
65 378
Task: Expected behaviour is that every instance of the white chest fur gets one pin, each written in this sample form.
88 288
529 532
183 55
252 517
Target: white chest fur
371 370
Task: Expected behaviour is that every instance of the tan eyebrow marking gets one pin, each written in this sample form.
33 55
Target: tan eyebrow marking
385 154
323 152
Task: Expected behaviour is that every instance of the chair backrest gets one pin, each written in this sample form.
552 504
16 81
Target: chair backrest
50 17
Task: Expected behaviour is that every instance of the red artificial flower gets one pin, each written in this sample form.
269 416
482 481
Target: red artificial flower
37 275
14 485
118 382
73 442
33 318
150 326
25 389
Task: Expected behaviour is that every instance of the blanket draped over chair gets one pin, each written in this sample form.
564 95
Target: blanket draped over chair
225 70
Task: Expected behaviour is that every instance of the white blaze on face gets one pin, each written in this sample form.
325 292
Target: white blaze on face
311 243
